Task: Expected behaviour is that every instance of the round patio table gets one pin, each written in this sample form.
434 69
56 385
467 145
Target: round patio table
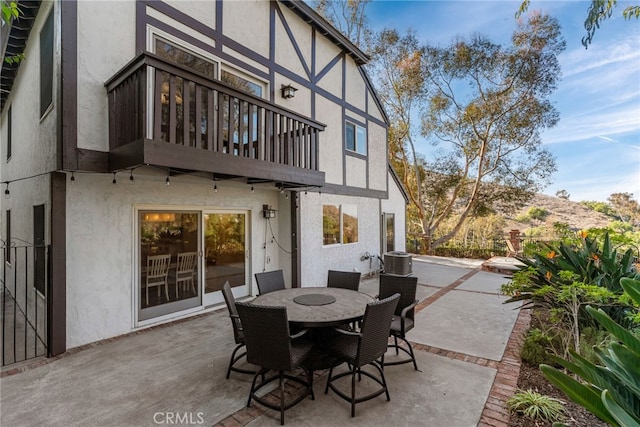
318 307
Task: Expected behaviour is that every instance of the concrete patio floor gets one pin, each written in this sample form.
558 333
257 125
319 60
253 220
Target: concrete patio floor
174 374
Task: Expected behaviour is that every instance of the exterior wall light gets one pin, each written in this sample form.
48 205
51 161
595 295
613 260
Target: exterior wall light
288 91
267 212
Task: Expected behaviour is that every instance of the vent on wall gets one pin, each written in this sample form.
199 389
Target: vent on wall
399 263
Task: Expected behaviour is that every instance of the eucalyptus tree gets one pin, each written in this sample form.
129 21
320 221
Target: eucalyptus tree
348 16
485 109
597 12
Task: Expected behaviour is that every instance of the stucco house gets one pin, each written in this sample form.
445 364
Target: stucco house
152 150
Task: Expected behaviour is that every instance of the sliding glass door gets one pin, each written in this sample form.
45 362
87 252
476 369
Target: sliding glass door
226 254
168 270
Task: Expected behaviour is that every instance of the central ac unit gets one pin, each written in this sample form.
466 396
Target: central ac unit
398 263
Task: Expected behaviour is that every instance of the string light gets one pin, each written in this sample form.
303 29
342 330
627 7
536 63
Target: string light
167 181
114 178
73 178
7 193
252 190
215 188
131 176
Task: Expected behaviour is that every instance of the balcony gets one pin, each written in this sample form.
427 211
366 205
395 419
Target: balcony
164 114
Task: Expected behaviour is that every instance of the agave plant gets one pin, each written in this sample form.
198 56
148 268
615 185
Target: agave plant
541 276
610 391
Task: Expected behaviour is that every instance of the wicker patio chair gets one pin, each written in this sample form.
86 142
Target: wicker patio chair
270 346
270 281
238 333
344 279
403 319
362 348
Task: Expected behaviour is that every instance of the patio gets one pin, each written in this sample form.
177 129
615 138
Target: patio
175 373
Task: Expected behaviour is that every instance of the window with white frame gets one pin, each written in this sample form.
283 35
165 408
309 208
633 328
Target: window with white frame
339 224
355 137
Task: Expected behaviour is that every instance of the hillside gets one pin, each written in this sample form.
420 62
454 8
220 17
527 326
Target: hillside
560 210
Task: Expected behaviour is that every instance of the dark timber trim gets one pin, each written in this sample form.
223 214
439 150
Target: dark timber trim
57 297
68 83
296 232
294 43
343 190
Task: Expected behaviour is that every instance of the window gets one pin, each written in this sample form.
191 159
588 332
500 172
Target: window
355 138
46 65
8 235
184 57
390 234
238 82
9 133
339 224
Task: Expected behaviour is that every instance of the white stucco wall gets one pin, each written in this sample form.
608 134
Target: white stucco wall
396 204
101 245
203 11
246 22
377 156
355 87
331 151
99 58
318 259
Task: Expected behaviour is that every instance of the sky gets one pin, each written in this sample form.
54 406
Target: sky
597 140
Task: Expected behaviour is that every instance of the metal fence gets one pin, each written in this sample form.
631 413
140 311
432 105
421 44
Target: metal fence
23 302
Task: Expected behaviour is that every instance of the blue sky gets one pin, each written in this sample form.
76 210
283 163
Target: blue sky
597 141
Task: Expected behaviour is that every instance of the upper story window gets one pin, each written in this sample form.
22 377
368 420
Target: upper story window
241 82
355 137
46 65
181 56
9 133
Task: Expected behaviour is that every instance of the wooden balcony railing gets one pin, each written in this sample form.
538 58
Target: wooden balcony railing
151 99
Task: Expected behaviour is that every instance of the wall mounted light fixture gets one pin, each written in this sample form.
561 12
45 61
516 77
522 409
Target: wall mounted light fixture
268 212
288 91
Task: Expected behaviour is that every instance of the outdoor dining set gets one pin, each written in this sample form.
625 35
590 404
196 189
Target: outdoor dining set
320 328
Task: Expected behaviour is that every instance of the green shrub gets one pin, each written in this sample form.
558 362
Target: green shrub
610 391
536 406
537 348
537 213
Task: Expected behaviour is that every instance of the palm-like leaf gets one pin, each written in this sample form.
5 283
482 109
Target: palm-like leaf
583 395
617 412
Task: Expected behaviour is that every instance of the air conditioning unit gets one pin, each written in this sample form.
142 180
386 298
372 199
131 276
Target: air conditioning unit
398 263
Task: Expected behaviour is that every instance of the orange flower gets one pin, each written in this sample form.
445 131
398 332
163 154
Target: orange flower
551 255
595 257
583 234
548 275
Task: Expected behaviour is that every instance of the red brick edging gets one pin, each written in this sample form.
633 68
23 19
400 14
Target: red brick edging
496 413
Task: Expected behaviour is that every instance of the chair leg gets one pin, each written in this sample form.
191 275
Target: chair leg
395 341
353 391
281 380
166 290
326 388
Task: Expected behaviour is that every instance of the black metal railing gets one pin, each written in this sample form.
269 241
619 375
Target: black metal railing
23 302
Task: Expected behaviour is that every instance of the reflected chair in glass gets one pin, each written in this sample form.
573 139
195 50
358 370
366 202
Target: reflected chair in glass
157 272
270 281
270 346
366 347
343 279
185 271
238 333
403 319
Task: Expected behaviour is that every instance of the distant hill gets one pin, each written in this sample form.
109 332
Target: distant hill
559 210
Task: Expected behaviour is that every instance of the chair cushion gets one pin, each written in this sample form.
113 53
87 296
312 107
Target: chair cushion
396 326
